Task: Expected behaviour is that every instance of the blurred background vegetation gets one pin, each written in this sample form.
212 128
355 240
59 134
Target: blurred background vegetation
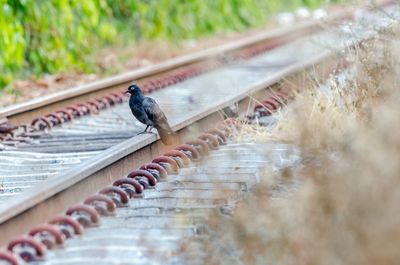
49 36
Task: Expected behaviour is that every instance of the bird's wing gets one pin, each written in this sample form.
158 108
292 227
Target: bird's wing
155 113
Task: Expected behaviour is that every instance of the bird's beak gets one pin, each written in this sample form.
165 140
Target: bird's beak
126 92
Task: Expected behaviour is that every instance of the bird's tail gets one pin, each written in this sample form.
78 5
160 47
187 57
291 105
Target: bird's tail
166 135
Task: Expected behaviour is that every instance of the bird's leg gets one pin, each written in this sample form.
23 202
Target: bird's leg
145 130
151 128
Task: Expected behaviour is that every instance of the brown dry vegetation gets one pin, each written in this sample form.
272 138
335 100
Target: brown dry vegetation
345 211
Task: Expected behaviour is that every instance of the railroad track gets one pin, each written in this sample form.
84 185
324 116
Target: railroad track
71 134
55 135
83 148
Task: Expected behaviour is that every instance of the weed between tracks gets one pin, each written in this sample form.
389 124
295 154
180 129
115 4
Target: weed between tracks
346 209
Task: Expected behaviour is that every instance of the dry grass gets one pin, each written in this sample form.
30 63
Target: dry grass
346 209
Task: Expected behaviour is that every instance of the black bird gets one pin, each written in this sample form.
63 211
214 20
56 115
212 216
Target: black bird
147 111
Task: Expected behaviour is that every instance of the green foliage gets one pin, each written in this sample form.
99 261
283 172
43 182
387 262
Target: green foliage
12 43
55 35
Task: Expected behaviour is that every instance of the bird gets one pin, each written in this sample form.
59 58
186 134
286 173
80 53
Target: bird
147 111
